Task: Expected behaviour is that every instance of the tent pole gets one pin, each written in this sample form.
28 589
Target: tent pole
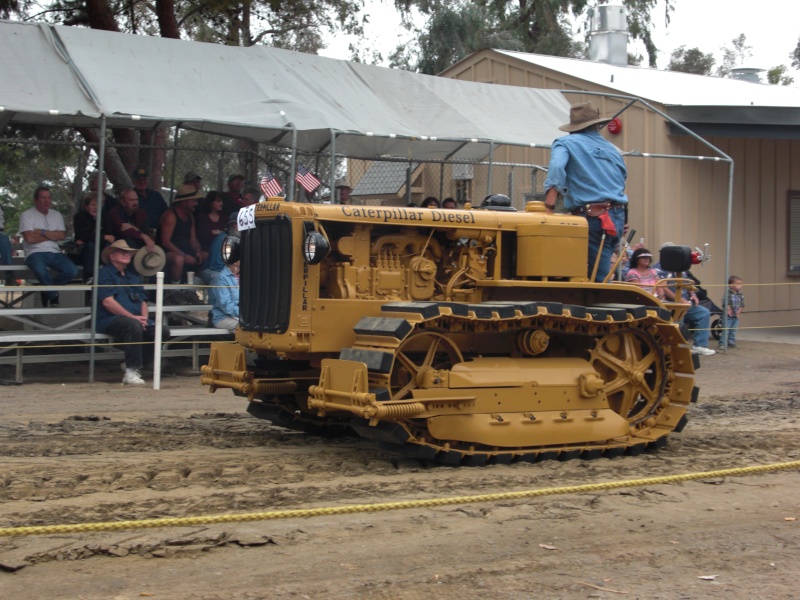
174 160
408 184
491 162
98 236
726 298
333 167
292 166
441 183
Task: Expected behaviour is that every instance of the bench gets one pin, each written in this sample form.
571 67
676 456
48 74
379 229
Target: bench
47 332
19 341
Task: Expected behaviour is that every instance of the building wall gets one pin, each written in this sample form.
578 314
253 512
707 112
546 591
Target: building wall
685 201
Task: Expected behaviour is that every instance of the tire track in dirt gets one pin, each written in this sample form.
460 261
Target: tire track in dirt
96 469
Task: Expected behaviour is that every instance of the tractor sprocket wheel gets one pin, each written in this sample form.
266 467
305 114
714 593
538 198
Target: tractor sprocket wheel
632 364
421 352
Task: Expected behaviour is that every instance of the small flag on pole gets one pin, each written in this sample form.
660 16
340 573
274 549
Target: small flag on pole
270 185
305 178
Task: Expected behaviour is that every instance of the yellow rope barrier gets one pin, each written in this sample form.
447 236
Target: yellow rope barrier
386 506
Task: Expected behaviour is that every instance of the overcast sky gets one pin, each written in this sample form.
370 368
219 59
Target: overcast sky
772 28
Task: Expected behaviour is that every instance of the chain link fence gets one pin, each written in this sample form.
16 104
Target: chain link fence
64 160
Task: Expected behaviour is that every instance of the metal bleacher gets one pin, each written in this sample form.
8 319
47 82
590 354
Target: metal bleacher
34 334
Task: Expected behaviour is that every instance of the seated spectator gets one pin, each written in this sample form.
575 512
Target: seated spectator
232 199
84 225
128 222
42 229
194 180
109 201
122 311
213 263
698 318
150 200
209 221
224 295
250 196
642 274
449 204
342 191
5 251
430 202
178 235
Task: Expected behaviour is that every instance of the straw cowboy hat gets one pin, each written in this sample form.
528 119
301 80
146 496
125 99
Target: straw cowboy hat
118 245
186 192
582 116
149 263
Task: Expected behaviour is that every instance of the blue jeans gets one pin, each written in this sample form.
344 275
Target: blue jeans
698 318
5 250
610 244
41 263
728 336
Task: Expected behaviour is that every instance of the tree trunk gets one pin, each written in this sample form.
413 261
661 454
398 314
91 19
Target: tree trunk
100 15
115 170
167 23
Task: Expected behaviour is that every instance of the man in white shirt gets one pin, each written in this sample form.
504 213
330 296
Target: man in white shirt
41 230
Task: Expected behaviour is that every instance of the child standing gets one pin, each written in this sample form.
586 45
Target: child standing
735 307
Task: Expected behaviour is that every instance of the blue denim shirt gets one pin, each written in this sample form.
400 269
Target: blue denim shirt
224 296
585 168
124 287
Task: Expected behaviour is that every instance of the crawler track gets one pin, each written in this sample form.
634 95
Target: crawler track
641 356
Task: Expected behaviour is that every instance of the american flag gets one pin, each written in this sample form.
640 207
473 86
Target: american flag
305 178
270 185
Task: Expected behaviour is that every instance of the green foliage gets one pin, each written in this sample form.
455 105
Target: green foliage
295 24
777 76
734 55
640 24
795 56
692 60
39 158
455 29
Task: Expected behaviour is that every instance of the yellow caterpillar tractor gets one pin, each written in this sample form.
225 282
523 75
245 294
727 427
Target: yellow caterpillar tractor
458 336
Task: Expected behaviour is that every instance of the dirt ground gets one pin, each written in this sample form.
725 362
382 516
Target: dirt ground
74 452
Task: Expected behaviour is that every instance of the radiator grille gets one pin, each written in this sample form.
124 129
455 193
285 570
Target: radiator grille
266 276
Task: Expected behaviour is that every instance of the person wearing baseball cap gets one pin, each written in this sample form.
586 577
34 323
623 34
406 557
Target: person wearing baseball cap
194 179
588 171
122 310
149 200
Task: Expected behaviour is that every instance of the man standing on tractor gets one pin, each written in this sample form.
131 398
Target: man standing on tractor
589 172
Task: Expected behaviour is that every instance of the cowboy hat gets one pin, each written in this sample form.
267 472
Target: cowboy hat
120 245
186 192
149 263
342 182
582 116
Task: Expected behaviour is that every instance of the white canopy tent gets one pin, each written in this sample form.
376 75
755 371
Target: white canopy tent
71 76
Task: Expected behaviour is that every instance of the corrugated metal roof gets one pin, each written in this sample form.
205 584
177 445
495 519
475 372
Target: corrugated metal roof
670 88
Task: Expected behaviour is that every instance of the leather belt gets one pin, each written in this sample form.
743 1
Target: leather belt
595 209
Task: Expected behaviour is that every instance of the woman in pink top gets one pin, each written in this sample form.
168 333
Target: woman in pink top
642 274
